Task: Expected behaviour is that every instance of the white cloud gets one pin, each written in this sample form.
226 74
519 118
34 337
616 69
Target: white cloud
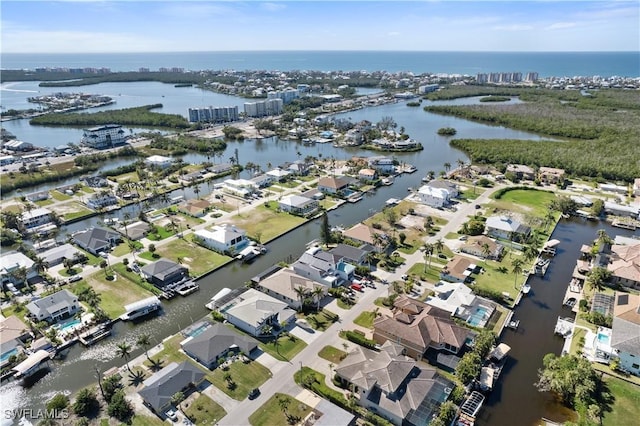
561 25
273 7
393 33
512 27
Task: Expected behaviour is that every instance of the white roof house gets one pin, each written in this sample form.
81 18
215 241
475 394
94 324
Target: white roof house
223 237
434 197
55 306
506 227
159 161
451 296
240 187
254 312
11 261
279 174
35 217
298 204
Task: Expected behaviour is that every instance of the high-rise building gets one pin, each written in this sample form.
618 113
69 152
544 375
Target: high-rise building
214 114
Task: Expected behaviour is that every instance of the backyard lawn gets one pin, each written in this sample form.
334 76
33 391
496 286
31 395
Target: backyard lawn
432 273
525 201
321 320
266 222
203 410
272 412
626 405
332 354
170 353
59 196
198 259
286 348
114 294
365 319
494 279
245 376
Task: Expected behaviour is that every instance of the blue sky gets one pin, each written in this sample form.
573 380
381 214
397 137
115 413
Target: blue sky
155 26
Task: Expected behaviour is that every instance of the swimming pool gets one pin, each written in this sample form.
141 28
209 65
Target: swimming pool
479 317
8 355
68 326
197 330
603 338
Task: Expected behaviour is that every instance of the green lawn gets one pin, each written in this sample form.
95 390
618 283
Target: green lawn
203 410
136 279
470 194
343 305
44 203
81 211
170 353
332 354
123 248
272 413
73 271
140 420
160 234
245 376
452 236
59 196
431 275
287 347
576 345
115 294
266 222
365 319
321 320
626 405
493 279
527 201
198 259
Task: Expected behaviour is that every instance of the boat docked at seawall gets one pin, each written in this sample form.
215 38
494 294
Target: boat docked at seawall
187 288
96 334
526 289
470 409
141 308
32 364
387 181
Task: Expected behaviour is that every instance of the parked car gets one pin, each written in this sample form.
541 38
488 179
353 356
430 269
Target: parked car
74 278
254 393
172 415
405 277
104 254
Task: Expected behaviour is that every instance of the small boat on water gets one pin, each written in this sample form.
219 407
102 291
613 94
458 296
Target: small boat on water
141 308
387 181
526 289
187 288
94 335
513 324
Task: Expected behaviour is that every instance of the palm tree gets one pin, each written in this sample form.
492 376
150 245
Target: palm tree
529 253
428 251
317 294
127 218
145 342
124 351
40 265
516 268
603 237
447 167
301 292
438 246
486 251
196 190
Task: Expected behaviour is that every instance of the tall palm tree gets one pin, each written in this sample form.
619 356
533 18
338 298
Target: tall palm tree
516 268
428 251
124 351
196 190
127 218
301 292
145 342
486 251
317 294
438 246
40 265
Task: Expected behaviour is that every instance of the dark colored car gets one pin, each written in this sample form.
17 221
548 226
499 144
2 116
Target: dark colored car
254 393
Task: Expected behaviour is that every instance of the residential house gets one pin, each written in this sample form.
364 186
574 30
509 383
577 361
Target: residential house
35 218
106 136
16 145
220 168
96 240
393 385
521 171
159 389
483 247
434 197
507 228
13 335
384 165
37 196
291 288
239 187
367 174
159 161
459 300
100 200
625 334
624 265
223 238
351 254
164 272
298 205
262 181
95 181
56 255
419 327
314 194
135 231
458 270
334 185
191 177
451 187
365 234
622 209
299 168
10 262
257 313
324 267
60 305
279 175
217 342
550 175
195 208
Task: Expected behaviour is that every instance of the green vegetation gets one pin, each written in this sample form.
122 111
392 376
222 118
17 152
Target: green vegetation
283 348
365 319
533 200
626 403
332 354
268 222
358 337
321 320
113 294
138 116
280 409
239 378
447 131
495 99
198 259
455 92
203 410
602 127
182 143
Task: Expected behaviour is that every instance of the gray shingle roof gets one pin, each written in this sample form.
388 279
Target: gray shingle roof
43 308
159 388
216 340
162 268
95 238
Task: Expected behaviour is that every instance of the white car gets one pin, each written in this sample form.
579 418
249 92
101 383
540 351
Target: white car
104 255
171 414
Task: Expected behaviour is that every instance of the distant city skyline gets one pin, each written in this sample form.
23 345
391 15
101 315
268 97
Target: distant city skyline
91 26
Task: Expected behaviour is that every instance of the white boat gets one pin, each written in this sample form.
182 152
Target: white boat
513 324
141 308
387 181
526 289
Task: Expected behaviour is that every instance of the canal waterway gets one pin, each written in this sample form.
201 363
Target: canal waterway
515 400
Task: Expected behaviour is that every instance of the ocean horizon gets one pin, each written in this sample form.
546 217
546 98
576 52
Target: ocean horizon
546 64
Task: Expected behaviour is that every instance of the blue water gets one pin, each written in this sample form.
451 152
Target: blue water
546 64
68 325
8 355
477 317
603 338
199 330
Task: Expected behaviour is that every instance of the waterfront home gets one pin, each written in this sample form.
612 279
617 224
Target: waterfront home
95 181
223 238
483 247
11 262
393 385
354 137
37 196
164 272
624 265
351 254
419 327
100 200
217 342
521 171
158 161
57 306
35 218
367 174
451 187
239 187
220 168
195 208
106 136
459 300
56 255
279 175
625 331
96 240
191 177
384 165
16 145
14 334
550 175
298 168
159 389
507 228
433 197
298 205
458 270
262 181
291 288
622 209
334 185
365 234
134 231
324 267
257 313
